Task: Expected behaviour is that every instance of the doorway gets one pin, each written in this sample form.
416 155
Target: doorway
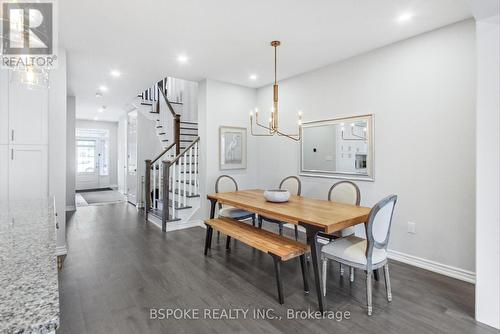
92 159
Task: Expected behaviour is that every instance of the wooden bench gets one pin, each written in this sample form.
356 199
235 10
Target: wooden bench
280 248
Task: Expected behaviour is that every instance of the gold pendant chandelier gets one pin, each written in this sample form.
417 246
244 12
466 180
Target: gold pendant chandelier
272 127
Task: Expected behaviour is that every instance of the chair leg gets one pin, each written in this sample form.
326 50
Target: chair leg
253 220
277 269
296 232
260 221
341 269
208 239
305 273
351 274
280 228
369 291
325 268
387 282
376 275
228 241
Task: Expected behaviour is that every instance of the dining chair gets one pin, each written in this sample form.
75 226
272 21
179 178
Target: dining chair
367 254
226 183
345 192
294 186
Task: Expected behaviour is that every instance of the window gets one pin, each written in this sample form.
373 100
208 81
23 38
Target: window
86 156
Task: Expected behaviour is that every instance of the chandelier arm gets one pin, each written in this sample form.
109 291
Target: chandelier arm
294 137
260 134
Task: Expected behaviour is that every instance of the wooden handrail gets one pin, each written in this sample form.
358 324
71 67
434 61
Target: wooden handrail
162 153
171 162
172 111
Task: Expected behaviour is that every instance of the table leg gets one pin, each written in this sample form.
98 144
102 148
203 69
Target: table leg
311 232
213 202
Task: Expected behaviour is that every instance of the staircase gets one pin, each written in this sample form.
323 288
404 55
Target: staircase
171 184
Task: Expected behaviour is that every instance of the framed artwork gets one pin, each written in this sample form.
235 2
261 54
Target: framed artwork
232 148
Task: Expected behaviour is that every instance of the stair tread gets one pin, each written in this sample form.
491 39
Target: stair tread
159 214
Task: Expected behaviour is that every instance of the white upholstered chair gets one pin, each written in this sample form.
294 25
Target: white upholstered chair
294 186
345 192
366 254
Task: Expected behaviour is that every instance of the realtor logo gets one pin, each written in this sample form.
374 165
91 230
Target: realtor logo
28 34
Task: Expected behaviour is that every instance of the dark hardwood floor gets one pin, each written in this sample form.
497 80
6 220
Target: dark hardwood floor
118 268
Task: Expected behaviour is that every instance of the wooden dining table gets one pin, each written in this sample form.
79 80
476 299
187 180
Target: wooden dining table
314 215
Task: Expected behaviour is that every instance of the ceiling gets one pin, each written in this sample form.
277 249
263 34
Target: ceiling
225 40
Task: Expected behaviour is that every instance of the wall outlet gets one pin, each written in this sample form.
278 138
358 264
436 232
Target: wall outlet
411 228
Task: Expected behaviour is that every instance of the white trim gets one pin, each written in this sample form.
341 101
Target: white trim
176 225
440 268
70 208
61 250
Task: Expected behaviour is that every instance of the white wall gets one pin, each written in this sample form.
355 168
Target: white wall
70 154
122 155
421 92
148 147
223 104
57 146
112 127
488 172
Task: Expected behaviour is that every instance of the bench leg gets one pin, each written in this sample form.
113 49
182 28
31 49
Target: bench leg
296 232
228 241
208 239
277 268
305 273
260 221
253 220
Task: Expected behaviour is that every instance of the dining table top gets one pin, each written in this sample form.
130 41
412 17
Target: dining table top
328 216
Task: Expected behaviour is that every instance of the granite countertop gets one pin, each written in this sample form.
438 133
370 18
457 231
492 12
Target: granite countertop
29 297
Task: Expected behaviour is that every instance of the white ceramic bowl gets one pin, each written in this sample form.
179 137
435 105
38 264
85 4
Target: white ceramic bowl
277 195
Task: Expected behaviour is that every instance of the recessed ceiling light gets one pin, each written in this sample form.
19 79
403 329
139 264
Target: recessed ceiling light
103 88
115 73
404 17
182 59
253 77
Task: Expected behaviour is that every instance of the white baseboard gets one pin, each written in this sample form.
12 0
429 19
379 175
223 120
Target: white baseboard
174 226
70 208
61 250
440 268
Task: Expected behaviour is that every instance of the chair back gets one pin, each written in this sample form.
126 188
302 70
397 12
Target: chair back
345 192
378 227
225 183
292 184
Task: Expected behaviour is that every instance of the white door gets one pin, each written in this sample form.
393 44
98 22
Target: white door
4 172
132 158
87 169
28 115
4 107
28 172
